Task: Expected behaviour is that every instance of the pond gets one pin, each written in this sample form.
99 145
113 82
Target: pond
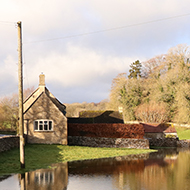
167 169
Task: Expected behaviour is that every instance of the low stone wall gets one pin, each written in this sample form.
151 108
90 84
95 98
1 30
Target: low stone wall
109 142
183 143
8 142
163 142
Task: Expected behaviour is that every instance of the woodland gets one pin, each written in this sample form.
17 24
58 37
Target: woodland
156 90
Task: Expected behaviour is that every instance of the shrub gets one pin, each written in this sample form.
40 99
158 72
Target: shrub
152 112
170 136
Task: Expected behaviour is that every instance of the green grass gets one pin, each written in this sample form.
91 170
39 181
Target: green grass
183 133
42 156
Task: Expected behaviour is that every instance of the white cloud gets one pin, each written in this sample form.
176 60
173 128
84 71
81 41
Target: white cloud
8 76
76 64
78 67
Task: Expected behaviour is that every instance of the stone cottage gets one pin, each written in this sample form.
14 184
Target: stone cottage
44 117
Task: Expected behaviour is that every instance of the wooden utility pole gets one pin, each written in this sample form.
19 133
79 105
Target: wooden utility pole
20 90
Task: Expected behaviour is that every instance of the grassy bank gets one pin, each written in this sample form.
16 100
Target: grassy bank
183 132
42 156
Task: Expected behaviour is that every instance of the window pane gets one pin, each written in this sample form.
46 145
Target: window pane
41 177
36 179
46 178
41 125
45 125
51 177
36 125
50 125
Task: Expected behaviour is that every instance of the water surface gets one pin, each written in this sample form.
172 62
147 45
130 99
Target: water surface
167 169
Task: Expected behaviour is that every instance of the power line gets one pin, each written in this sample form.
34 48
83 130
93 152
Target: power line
109 29
7 22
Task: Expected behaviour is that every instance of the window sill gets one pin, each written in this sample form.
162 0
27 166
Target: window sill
43 131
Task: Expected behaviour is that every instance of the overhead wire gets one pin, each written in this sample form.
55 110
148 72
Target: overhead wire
6 22
109 29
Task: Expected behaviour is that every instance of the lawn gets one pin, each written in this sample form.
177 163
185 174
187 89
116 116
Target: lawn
183 132
42 156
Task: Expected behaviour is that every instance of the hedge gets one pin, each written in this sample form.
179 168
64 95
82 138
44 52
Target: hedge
115 130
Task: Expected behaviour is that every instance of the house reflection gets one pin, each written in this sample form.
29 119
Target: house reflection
43 179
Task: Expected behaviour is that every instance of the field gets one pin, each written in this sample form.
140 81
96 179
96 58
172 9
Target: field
183 132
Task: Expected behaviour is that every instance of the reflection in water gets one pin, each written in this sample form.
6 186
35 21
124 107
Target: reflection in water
161 171
167 169
43 179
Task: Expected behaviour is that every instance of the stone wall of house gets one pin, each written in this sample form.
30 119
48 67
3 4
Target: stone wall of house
8 142
108 142
183 143
44 108
163 142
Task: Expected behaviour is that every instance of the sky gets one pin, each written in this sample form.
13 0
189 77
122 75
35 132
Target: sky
81 45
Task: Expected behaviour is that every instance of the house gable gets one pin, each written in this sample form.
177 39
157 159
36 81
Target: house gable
37 93
42 106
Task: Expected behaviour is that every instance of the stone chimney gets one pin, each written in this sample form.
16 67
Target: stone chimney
42 80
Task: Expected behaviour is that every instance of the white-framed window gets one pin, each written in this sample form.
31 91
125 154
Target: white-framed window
43 125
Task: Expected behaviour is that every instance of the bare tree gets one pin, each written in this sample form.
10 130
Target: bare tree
9 110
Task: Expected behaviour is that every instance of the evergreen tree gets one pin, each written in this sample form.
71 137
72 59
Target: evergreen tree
135 70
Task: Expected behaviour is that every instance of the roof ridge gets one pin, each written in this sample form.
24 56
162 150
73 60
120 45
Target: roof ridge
32 103
55 101
30 95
